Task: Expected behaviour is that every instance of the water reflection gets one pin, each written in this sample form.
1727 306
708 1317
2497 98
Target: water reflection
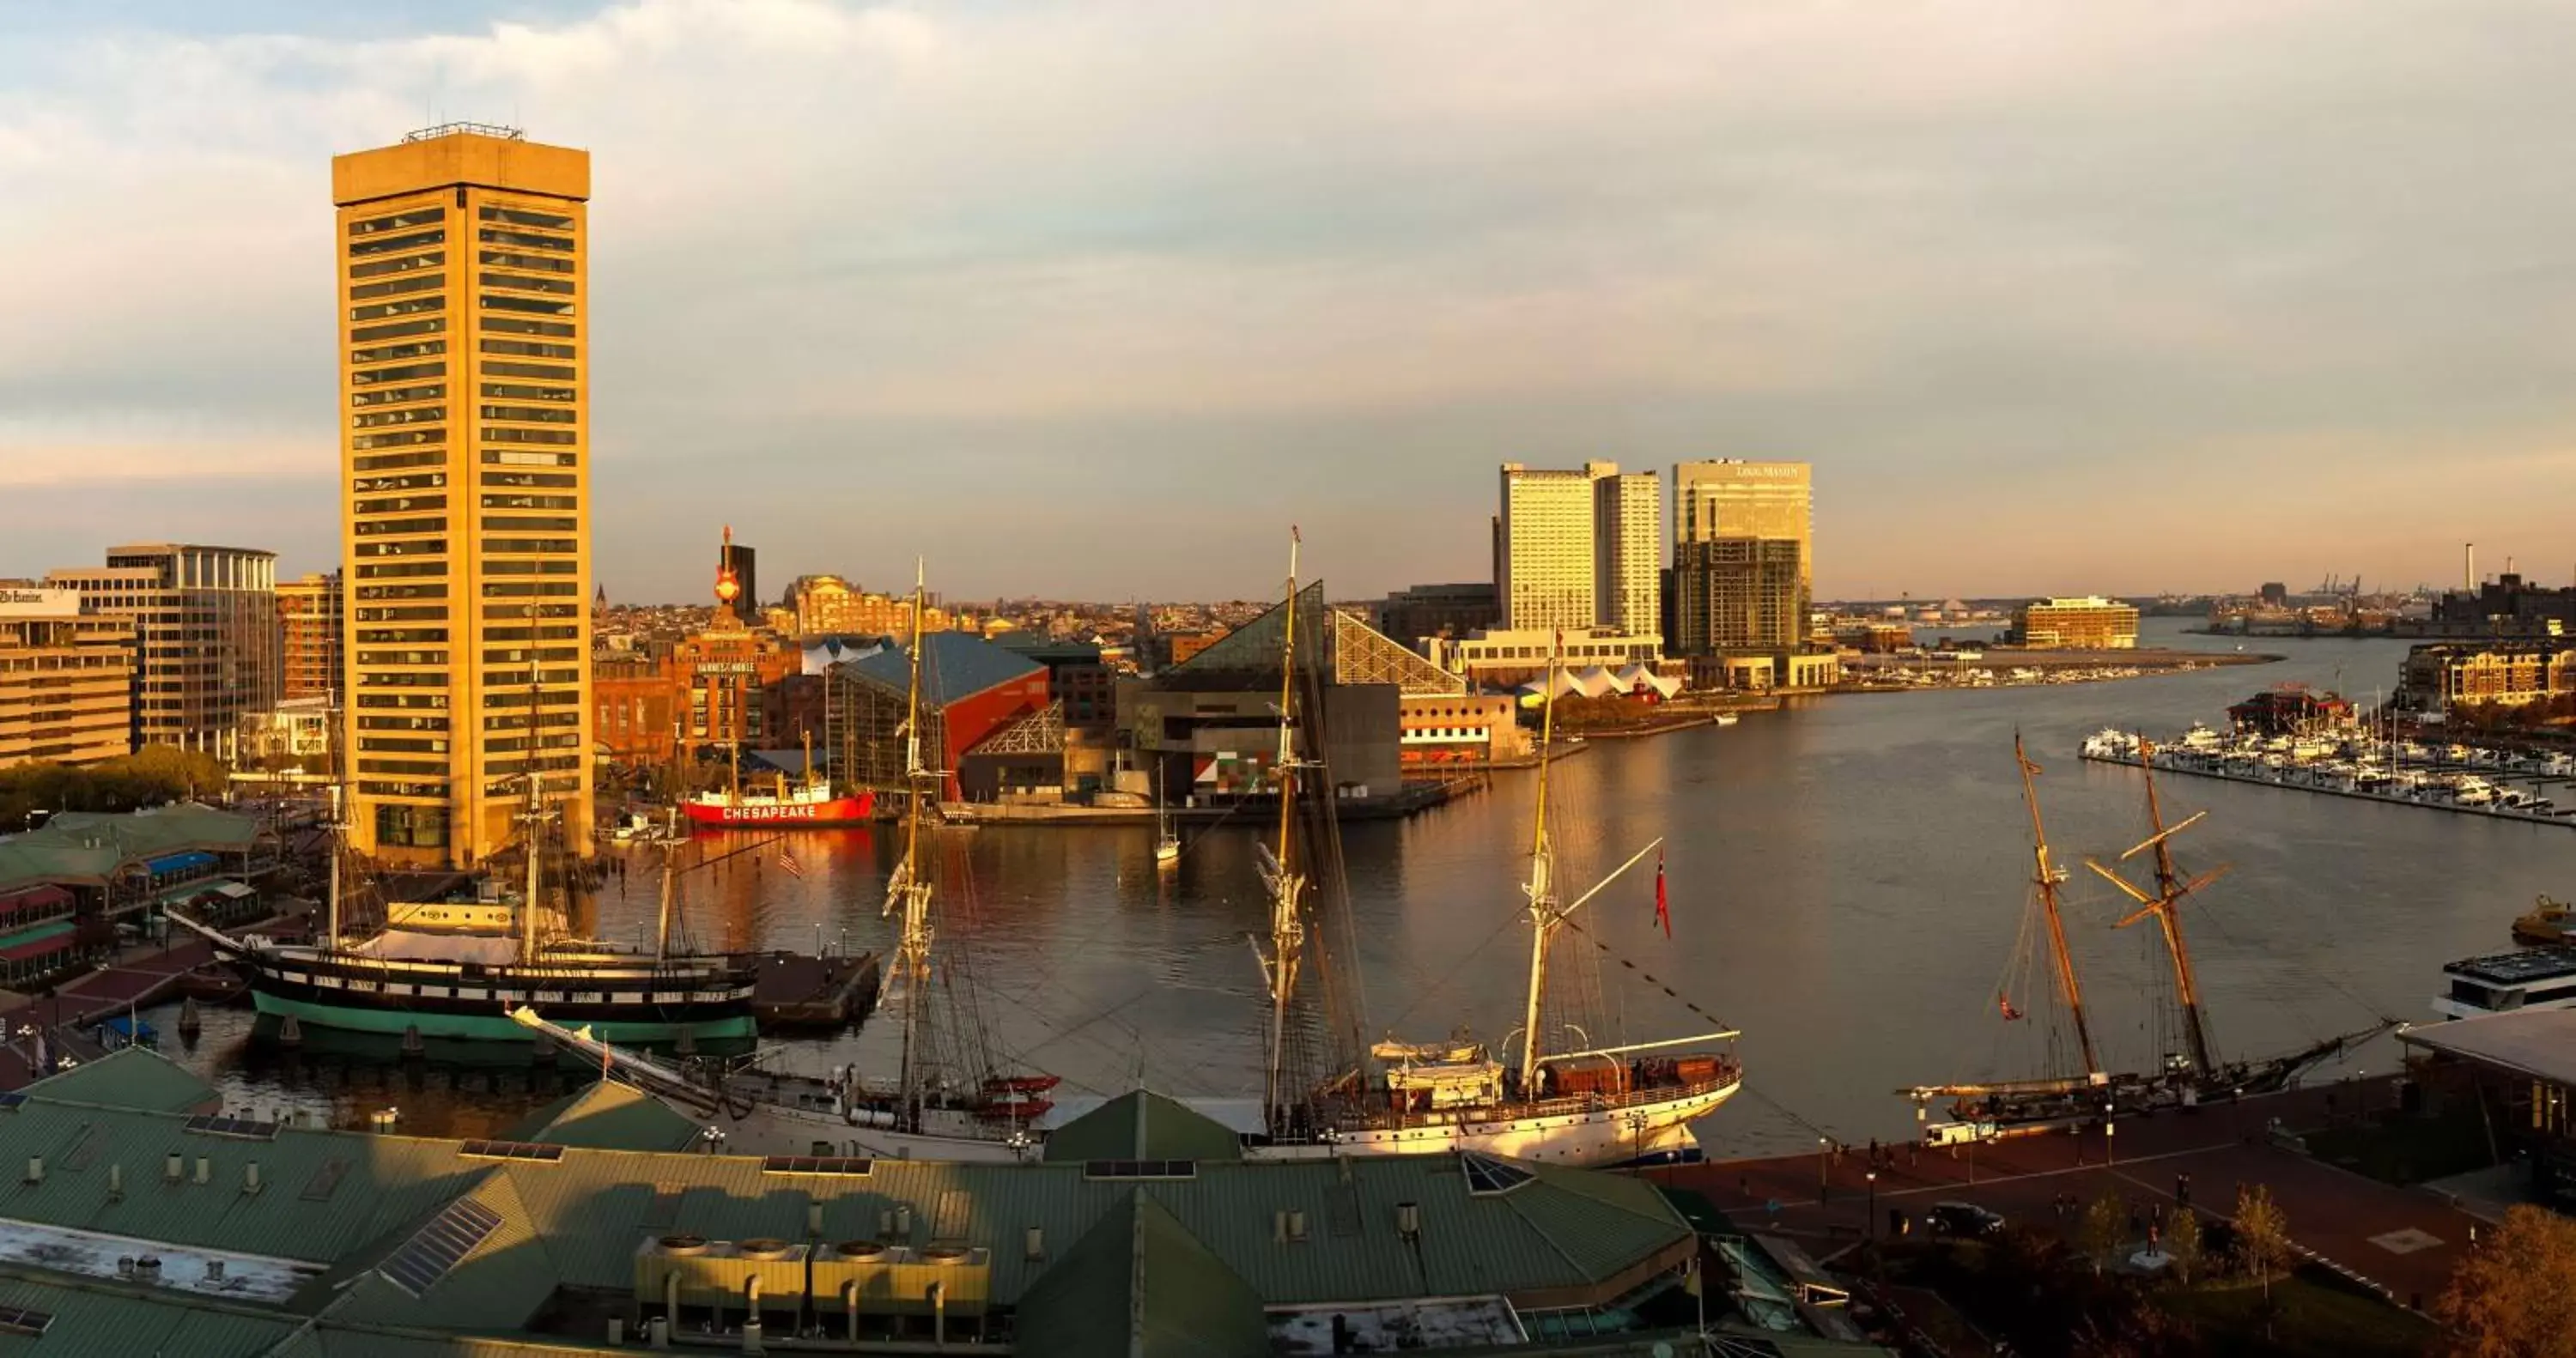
1846 875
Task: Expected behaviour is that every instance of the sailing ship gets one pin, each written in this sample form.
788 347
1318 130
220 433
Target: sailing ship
2186 1078
1322 1093
1588 1103
452 970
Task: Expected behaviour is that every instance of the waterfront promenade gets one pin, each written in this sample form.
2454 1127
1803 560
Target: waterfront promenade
2403 1240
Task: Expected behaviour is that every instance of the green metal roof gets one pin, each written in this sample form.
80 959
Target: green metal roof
103 1320
349 1200
131 1077
1139 1283
497 1286
1143 1125
89 846
610 1116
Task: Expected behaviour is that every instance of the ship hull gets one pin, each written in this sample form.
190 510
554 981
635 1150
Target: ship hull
1608 1133
838 811
660 1027
639 1000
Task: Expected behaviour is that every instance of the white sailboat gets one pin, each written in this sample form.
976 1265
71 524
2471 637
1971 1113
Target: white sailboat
1167 845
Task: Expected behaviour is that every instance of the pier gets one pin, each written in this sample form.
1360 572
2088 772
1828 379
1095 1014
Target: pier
2118 748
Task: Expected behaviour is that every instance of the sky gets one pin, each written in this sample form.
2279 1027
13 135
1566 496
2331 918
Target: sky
1095 299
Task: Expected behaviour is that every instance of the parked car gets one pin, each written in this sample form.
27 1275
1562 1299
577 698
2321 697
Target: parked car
1963 1219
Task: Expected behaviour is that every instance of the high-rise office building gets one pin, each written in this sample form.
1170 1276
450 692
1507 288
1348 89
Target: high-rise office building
206 637
1627 549
310 618
1743 571
1546 538
66 680
463 276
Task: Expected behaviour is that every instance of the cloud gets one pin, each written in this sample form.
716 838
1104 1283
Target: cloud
1137 279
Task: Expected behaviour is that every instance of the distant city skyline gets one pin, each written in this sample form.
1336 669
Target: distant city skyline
1077 301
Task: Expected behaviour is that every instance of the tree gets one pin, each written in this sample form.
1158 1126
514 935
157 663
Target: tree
2262 1235
2104 1230
2515 1295
2182 1244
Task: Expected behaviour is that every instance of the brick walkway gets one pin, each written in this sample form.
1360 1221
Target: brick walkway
141 975
2405 1240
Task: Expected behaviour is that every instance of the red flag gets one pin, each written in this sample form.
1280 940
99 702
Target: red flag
1663 910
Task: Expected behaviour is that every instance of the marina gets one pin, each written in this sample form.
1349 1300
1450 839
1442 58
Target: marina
2453 778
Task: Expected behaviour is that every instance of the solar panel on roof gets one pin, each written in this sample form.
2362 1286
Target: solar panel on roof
240 1129
1140 1169
542 1152
1485 1174
853 1166
436 1248
19 1320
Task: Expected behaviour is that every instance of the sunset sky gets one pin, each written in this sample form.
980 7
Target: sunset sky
1094 299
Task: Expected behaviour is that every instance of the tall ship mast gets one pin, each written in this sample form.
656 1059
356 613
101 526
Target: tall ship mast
1588 1103
807 802
2183 1079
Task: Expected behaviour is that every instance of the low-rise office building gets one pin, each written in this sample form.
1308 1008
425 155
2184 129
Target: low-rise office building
66 680
1503 659
2091 623
206 636
2438 676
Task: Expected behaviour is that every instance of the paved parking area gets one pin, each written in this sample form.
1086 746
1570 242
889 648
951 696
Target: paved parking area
2406 1240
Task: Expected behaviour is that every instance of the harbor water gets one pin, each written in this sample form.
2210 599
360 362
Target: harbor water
1847 880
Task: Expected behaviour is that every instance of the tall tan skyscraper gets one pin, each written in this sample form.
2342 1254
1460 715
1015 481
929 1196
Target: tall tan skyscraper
1627 549
464 278
1546 537
1742 568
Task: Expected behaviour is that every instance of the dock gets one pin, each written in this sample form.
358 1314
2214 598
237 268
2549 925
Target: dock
2297 779
805 992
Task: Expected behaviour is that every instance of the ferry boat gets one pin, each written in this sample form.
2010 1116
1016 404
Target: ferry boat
2504 983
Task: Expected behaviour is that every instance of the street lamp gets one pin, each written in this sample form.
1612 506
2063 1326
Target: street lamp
1824 1148
2108 1127
1869 1223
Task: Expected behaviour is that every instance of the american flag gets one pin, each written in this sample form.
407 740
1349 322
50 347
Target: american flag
787 860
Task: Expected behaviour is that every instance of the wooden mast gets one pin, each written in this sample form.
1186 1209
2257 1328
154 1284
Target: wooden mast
1287 923
1541 889
2046 877
2170 890
912 889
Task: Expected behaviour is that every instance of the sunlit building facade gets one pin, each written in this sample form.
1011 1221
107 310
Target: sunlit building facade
310 619
463 292
205 633
66 680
